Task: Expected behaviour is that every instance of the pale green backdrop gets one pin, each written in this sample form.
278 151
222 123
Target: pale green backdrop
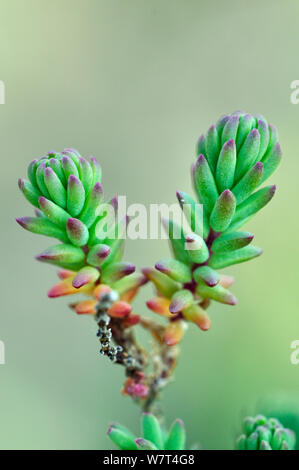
134 82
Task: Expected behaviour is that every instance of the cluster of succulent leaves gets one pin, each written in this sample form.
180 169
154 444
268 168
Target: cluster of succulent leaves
261 433
154 436
66 190
234 158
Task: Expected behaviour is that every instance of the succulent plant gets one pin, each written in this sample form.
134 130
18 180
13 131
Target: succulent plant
67 193
153 437
261 433
234 158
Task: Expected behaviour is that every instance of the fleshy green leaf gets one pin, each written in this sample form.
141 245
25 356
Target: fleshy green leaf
85 276
253 441
86 175
264 445
163 283
226 165
206 187
201 145
69 167
55 187
218 293
246 123
29 191
176 439
89 212
73 154
177 240
276 440
252 205
181 300
248 183
77 232
75 196
97 171
196 248
176 270
41 166
42 226
116 271
57 168
196 314
221 123
230 129
143 444
194 213
231 241
122 437
56 214
241 442
247 154
207 275
264 433
273 139
151 430
222 260
98 254
271 162
64 255
212 147
223 211
31 171
262 127
248 425
127 283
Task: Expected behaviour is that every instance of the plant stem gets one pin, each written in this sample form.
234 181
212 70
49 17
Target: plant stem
127 352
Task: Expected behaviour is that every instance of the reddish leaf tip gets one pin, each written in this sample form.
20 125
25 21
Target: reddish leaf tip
259 166
254 133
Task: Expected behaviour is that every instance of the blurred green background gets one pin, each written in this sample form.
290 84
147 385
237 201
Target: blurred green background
134 82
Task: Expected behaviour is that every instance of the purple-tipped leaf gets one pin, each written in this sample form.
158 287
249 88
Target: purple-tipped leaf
77 232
